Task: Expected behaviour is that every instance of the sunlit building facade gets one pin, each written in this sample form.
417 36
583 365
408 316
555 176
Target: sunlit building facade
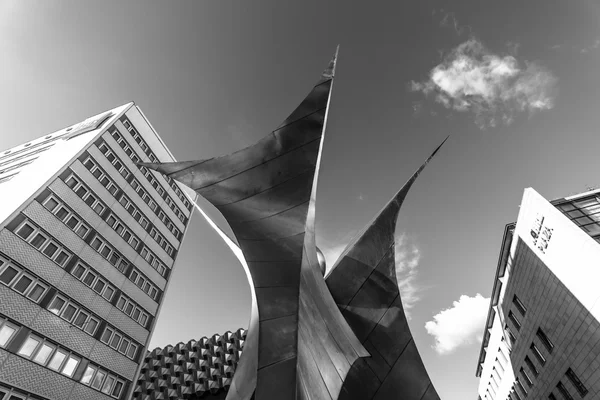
542 334
88 242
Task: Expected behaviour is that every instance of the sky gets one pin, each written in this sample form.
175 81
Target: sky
514 83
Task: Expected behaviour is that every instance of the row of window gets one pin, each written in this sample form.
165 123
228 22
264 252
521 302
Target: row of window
138 138
63 213
46 353
21 281
118 226
141 192
163 217
107 251
154 182
103 381
33 288
131 208
152 204
8 393
131 309
115 259
116 162
42 241
102 177
118 341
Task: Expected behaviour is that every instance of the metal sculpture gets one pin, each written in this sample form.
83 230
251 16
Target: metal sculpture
300 345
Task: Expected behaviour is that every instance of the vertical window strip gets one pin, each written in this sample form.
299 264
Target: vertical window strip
581 389
545 340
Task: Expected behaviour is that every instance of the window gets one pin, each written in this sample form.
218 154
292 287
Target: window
7 331
70 366
576 382
531 366
537 353
511 336
73 313
119 342
526 377
29 346
51 249
563 390
28 285
57 360
514 320
520 386
88 374
544 339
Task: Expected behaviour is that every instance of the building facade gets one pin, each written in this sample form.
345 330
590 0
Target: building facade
191 370
542 335
88 241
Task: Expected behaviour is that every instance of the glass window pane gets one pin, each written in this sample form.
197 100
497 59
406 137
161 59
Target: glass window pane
43 354
25 231
38 241
144 319
117 390
56 305
8 275
96 243
57 360
81 191
108 293
51 204
108 384
128 309
106 335
62 213
91 326
28 347
89 278
132 350
105 251
50 249
114 343
87 375
82 230
99 286
69 312
36 292
72 222
70 366
61 258
6 332
97 383
121 303
78 271
98 208
22 284
80 320
136 314
124 345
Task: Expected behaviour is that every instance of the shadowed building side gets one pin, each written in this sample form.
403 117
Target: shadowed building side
364 285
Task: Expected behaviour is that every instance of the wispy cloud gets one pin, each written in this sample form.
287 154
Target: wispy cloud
493 88
449 21
592 47
408 257
460 325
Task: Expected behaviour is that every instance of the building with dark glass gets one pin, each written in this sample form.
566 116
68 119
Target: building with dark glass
542 335
88 242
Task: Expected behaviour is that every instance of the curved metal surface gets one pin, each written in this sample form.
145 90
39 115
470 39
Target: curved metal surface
364 285
300 344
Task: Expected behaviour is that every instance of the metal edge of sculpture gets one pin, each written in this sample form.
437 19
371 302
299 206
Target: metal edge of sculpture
305 340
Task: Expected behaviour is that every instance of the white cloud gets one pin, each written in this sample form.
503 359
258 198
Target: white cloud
494 88
460 325
408 257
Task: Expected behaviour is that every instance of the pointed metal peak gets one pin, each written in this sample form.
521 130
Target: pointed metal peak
329 72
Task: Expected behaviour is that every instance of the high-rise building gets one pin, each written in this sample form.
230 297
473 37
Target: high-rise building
542 335
88 241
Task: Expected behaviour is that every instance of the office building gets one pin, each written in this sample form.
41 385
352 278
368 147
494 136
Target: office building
542 335
88 242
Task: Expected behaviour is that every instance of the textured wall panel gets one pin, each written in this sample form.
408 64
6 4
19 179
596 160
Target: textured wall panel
20 251
17 307
43 381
